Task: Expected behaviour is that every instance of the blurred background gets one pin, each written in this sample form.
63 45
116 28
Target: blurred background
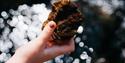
100 38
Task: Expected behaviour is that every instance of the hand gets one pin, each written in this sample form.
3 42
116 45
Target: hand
39 49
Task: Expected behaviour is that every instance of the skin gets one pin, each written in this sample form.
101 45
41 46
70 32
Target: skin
41 49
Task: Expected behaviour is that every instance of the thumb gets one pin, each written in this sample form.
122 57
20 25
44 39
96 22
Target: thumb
48 30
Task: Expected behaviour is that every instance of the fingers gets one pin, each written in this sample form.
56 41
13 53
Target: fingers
48 31
69 47
39 43
59 50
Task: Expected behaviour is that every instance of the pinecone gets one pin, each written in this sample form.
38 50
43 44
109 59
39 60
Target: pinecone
67 17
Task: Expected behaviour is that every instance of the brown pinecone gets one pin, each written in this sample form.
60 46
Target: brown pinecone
67 17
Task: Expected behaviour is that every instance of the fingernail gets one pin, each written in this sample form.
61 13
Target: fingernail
51 24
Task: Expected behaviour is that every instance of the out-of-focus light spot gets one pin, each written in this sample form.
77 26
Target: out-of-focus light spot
124 19
14 13
88 60
14 21
84 56
69 60
23 7
53 1
17 37
91 49
80 29
123 53
4 14
117 3
27 22
123 23
76 60
101 60
77 39
58 60
97 2
5 33
2 25
5 46
107 9
38 7
4 57
81 44
1 20
104 5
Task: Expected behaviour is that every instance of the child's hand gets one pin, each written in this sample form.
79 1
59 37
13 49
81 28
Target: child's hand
37 50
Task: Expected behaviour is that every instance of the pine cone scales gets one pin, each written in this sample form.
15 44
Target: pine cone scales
67 17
